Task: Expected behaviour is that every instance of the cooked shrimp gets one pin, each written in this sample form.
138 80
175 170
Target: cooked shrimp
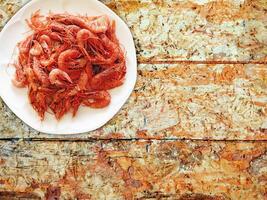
110 78
37 21
39 72
38 101
66 57
45 42
25 46
20 79
82 37
73 29
59 77
70 20
36 49
83 81
99 99
111 32
113 48
55 36
48 61
99 25
69 61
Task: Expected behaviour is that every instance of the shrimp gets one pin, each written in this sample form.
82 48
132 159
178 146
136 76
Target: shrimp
99 25
65 59
55 36
36 49
25 46
98 99
114 48
73 29
37 21
82 37
75 103
88 42
45 42
39 72
110 78
111 32
70 20
59 77
69 61
47 62
60 103
57 27
38 101
82 83
20 79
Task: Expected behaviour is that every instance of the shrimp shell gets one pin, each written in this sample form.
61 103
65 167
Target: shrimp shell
99 99
36 49
39 72
59 77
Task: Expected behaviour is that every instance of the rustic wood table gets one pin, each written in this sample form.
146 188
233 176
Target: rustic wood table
195 127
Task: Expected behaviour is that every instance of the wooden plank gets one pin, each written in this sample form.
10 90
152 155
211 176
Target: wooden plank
133 170
193 101
220 30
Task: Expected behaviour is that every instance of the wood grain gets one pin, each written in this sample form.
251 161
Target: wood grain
193 101
220 30
134 170
201 76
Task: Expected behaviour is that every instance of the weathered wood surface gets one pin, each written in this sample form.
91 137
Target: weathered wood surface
186 100
134 170
202 75
197 101
196 30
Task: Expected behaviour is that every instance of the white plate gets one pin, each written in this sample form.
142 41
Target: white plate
87 119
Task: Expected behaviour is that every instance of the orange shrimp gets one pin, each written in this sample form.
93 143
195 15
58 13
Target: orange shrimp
111 32
36 49
45 42
60 103
65 58
39 72
47 62
38 101
55 36
110 78
82 37
98 99
70 61
74 29
20 79
83 81
59 78
70 20
37 21
114 48
25 46
99 25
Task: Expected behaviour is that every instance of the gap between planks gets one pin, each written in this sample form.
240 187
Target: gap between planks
129 140
144 61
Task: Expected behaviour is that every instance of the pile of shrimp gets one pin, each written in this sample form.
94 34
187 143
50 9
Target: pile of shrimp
69 61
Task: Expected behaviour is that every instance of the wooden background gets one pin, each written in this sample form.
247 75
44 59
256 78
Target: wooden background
195 127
